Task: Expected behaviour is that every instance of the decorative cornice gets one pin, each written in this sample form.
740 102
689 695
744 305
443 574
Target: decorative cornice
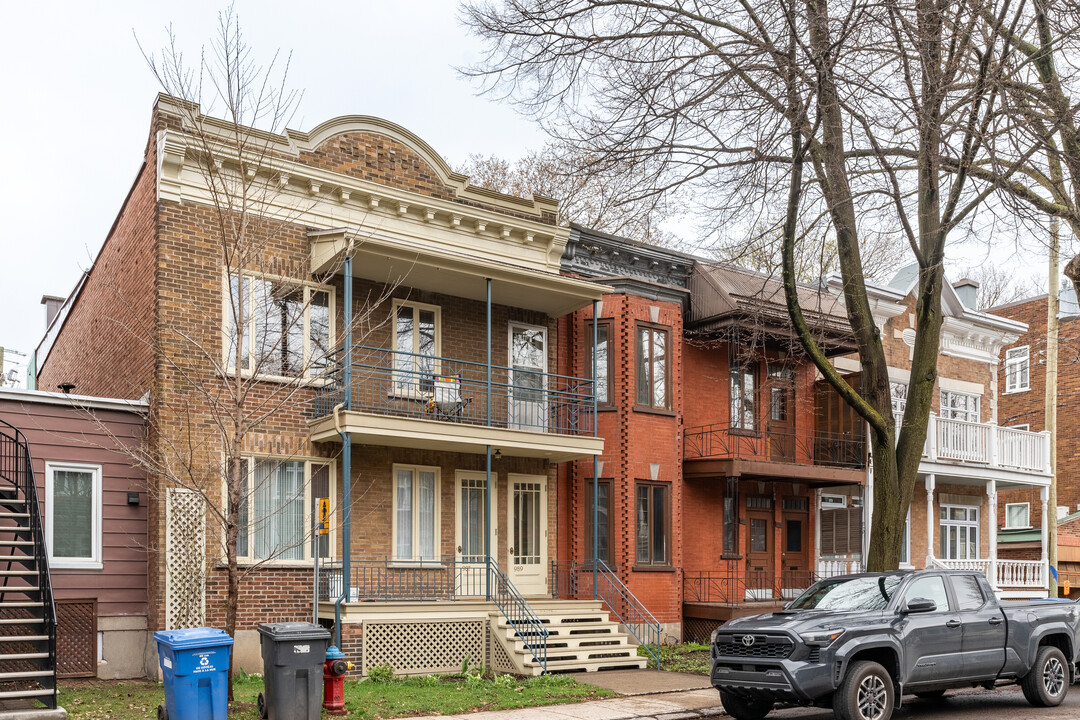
595 254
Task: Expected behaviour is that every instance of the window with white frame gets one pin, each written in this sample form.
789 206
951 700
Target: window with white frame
1017 515
1017 369
73 515
959 532
285 326
898 393
959 406
416 347
279 509
416 503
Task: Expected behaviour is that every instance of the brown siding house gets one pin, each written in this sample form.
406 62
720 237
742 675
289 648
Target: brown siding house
97 545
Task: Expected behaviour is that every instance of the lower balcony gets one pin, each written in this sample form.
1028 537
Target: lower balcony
409 400
1012 578
819 458
986 446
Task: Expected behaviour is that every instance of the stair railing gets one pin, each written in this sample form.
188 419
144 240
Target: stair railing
17 467
630 611
517 611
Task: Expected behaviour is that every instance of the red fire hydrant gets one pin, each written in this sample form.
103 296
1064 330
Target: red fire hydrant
334 670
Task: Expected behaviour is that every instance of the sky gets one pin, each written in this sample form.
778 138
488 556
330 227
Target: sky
77 96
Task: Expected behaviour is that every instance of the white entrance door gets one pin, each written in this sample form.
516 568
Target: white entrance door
527 408
469 523
527 513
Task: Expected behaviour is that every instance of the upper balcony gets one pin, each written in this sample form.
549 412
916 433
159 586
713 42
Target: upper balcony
815 457
410 400
974 447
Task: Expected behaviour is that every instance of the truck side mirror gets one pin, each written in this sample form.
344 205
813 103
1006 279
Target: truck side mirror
919 605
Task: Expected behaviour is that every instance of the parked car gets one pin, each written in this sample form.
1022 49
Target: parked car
858 643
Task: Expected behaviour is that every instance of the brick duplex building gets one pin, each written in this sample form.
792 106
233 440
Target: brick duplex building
971 458
1023 405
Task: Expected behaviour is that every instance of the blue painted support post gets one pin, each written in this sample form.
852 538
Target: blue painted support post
346 451
487 486
595 460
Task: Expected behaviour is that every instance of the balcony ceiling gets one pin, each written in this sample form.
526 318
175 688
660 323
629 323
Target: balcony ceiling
459 274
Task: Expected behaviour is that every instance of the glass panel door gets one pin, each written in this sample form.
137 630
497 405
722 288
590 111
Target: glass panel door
528 364
471 571
528 534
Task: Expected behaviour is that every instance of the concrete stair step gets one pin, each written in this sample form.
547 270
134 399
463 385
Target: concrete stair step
608 628
575 643
588 665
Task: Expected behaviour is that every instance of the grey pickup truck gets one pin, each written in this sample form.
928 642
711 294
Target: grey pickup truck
858 643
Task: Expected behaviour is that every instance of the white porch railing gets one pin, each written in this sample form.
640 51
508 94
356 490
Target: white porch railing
985 444
1010 573
835 567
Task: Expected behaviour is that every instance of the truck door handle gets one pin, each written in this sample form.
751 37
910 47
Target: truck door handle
953 624
996 621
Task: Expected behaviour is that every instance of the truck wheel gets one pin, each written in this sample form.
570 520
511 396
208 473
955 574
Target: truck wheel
1046 684
865 694
742 707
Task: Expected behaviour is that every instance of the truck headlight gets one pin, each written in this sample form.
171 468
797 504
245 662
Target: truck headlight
712 636
821 639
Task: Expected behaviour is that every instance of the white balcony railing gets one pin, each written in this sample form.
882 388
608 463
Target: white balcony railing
985 444
1010 573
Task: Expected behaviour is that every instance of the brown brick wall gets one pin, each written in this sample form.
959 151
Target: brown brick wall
1029 407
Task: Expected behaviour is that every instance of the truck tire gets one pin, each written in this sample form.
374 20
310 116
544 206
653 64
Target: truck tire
742 707
865 694
1048 681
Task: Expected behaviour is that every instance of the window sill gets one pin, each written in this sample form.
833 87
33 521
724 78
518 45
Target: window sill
731 556
55 564
420 564
280 379
654 568
606 408
654 411
1018 527
272 564
744 433
1017 391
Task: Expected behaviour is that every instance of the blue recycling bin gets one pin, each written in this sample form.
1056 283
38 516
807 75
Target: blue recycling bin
195 667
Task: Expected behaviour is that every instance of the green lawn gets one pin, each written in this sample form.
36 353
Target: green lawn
406 697
684 657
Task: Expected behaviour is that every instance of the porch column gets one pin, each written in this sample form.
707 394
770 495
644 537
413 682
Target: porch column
930 482
487 467
991 501
1044 496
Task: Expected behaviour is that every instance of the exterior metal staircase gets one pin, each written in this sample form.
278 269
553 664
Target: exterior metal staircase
27 613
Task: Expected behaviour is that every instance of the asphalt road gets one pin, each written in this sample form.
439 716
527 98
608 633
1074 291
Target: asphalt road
1005 702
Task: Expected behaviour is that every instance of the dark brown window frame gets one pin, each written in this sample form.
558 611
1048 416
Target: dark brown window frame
609 324
589 519
638 361
755 371
649 564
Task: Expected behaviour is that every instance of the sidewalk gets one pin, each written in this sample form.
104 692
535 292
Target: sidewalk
650 694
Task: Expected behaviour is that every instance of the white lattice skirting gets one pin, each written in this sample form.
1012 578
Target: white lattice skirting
185 553
415 648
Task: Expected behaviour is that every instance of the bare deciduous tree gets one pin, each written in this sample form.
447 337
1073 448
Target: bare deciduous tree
791 118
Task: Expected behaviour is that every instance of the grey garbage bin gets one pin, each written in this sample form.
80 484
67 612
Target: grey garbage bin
293 654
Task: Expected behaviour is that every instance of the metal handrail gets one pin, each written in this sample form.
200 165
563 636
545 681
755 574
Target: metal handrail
723 441
517 611
739 585
576 580
21 466
404 384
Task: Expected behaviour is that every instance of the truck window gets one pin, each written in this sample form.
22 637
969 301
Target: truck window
931 587
849 594
969 596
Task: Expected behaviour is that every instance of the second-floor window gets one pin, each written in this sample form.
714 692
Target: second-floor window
1017 515
1017 369
416 347
653 372
898 393
959 406
604 360
742 397
284 326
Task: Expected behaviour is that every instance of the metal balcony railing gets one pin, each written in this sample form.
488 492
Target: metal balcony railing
721 441
733 583
400 384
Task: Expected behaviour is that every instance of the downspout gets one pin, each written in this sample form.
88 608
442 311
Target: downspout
346 449
487 486
595 461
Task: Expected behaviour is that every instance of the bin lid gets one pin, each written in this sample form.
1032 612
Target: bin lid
294 631
193 638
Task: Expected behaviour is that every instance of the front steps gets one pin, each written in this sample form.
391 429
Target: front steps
581 638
